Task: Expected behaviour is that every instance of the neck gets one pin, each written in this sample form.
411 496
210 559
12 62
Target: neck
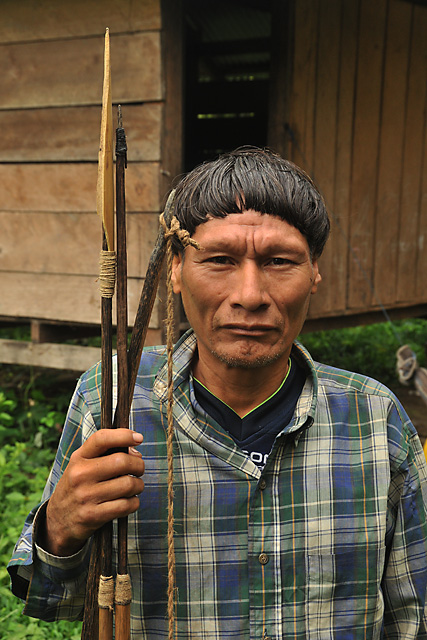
241 389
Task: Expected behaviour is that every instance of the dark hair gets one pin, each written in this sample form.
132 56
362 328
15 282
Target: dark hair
252 178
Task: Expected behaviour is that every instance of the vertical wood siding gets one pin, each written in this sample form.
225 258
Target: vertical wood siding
358 121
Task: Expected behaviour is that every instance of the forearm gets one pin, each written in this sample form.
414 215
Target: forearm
405 579
52 587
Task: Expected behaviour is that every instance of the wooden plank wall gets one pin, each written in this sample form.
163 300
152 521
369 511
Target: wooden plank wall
51 56
358 120
357 112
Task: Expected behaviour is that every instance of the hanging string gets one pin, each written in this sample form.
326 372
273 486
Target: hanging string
169 443
186 240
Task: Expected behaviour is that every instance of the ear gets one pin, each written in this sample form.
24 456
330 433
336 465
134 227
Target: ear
316 278
176 273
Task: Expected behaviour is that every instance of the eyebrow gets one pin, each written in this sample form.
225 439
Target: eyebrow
223 245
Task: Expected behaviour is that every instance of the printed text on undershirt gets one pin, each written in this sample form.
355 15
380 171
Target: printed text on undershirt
256 432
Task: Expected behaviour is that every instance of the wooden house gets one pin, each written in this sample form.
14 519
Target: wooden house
338 86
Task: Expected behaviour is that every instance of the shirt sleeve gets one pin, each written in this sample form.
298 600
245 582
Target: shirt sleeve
52 587
405 578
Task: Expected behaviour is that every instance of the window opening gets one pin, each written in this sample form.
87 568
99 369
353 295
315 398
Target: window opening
227 72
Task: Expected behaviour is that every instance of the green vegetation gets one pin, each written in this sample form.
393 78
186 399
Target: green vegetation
369 349
32 411
33 404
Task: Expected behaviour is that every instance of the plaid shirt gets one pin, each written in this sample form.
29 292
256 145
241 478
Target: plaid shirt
328 541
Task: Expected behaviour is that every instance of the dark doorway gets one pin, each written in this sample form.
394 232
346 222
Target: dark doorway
227 73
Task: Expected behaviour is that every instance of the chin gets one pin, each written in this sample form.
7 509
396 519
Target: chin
248 361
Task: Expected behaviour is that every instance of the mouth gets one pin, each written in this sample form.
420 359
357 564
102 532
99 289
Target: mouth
249 329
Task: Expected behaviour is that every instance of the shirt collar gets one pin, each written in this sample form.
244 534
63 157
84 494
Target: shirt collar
183 355
306 405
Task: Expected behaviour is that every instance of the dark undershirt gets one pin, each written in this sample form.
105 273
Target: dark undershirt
255 433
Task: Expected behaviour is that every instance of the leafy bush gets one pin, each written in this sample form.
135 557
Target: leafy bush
370 349
30 425
23 472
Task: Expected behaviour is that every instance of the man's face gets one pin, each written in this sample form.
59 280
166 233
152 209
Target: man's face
246 291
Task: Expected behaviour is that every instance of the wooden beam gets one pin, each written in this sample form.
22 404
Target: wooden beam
70 134
172 62
55 356
325 141
412 256
172 148
26 20
338 244
59 297
55 332
52 187
282 54
64 242
304 83
67 72
366 132
40 332
391 145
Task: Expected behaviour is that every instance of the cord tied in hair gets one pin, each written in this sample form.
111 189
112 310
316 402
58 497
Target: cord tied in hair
175 230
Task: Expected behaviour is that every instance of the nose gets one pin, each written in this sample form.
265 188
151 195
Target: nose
249 288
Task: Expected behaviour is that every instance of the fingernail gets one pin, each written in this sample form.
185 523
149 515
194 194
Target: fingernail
134 451
137 437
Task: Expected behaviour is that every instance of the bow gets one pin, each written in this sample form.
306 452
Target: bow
100 600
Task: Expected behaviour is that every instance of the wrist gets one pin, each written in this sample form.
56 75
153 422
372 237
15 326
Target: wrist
52 538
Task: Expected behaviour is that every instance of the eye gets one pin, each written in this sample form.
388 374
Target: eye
280 262
219 260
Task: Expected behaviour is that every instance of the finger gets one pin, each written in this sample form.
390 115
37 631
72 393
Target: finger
104 439
108 511
124 487
113 466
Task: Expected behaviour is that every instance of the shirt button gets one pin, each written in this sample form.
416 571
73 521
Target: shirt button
262 484
263 558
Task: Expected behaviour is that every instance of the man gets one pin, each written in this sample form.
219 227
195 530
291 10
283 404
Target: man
299 509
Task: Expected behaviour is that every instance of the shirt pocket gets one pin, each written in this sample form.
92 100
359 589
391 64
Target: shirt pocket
344 596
